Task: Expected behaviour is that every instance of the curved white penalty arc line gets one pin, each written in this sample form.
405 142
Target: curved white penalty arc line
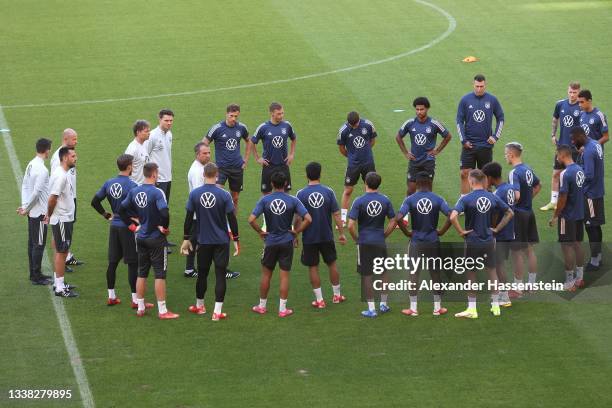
452 24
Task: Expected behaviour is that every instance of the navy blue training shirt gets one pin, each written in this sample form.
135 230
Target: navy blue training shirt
424 208
475 119
278 209
479 207
115 190
370 211
211 205
146 201
571 183
357 142
275 139
592 161
568 115
594 123
506 193
320 202
227 143
523 179
423 136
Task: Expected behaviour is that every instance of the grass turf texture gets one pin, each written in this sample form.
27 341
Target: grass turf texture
535 354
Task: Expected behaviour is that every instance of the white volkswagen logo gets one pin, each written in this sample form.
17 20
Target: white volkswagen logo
141 199
479 116
374 208
316 200
231 144
358 142
420 139
510 197
586 129
483 204
599 151
424 206
529 177
579 178
116 191
208 200
277 142
278 206
568 121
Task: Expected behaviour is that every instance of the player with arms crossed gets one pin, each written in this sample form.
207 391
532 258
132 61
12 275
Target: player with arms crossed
355 140
475 127
279 210
423 131
213 209
368 213
569 216
592 120
139 149
424 208
479 207
318 239
565 116
149 205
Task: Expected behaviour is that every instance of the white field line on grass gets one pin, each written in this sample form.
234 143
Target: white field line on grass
452 24
58 305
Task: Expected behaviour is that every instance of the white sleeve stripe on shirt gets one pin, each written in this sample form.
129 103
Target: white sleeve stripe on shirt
212 130
438 124
499 129
602 117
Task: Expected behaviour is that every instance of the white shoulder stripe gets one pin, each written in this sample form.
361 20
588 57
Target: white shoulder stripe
259 127
602 117
212 130
439 125
407 122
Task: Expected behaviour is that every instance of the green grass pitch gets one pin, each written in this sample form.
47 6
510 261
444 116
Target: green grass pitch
536 354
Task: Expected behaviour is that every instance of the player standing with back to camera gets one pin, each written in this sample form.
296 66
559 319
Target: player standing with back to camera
526 186
475 127
423 131
565 116
592 160
149 205
355 140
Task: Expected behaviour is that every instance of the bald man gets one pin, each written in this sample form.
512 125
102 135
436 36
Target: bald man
69 139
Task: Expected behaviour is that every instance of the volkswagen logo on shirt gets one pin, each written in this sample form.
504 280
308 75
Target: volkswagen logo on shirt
359 142
316 200
483 204
278 206
579 178
568 121
208 200
529 177
231 144
116 191
424 206
479 116
586 128
141 199
278 141
420 139
374 208
510 197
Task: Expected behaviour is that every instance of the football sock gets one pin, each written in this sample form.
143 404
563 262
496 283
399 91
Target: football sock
599 257
371 305
59 284
495 300
579 272
569 276
336 289
503 296
199 302
161 306
532 277
516 280
318 294
218 307
111 294
413 303
134 298
383 299
263 303
554 197
343 214
141 304
471 302
437 302
282 306
595 261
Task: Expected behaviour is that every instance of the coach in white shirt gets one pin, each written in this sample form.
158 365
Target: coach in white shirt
69 139
160 150
60 214
139 149
34 196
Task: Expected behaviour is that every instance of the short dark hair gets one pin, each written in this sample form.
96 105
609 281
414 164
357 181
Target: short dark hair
124 161
274 106
63 152
232 107
278 179
198 146
165 112
516 147
586 94
565 150
423 180
577 131
140 125
373 180
478 176
42 145
148 169
313 171
574 85
421 100
210 169
479 78
493 170
352 118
